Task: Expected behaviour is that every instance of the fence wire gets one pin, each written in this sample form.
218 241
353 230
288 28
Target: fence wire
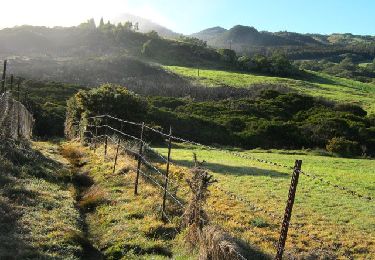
240 155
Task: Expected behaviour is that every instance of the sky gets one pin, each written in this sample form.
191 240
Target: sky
304 16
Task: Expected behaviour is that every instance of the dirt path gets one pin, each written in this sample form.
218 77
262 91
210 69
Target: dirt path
74 160
82 183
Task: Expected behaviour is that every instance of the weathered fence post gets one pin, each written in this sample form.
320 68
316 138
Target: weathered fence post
118 147
139 160
106 136
18 110
288 210
4 75
96 136
167 173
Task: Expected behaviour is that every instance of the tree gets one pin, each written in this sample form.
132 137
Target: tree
153 34
128 26
280 65
90 24
147 48
136 26
228 55
101 23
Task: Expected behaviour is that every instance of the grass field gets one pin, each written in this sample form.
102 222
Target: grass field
315 84
336 219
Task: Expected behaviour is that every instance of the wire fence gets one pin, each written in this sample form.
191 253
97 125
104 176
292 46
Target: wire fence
236 154
16 121
143 156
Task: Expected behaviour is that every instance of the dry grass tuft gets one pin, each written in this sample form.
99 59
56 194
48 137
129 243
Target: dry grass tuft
216 244
73 154
92 198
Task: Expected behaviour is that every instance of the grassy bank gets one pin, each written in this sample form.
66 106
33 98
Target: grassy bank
120 224
38 218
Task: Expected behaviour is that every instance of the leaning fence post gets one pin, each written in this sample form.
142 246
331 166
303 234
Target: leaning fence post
4 75
118 147
139 160
167 173
288 210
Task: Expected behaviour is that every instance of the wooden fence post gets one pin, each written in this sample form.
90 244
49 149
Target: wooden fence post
288 210
106 137
118 147
4 75
139 161
18 110
96 136
167 173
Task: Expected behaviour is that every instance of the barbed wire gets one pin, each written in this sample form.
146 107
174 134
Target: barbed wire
310 175
231 195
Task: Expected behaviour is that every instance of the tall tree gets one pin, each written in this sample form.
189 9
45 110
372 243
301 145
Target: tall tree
101 24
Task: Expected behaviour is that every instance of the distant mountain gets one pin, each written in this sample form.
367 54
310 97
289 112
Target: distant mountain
242 37
146 25
245 39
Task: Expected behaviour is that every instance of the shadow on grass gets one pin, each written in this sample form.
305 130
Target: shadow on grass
12 243
235 170
312 78
19 164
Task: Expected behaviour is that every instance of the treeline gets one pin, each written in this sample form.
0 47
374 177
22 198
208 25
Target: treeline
270 120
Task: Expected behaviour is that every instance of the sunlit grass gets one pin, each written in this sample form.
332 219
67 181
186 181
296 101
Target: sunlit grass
336 218
316 84
124 225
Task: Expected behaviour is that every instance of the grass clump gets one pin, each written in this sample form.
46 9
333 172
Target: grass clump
92 198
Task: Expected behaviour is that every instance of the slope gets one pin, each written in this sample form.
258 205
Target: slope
315 84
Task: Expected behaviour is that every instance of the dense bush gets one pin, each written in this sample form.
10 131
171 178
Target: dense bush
109 99
343 147
276 64
269 120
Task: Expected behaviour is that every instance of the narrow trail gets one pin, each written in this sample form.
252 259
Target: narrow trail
90 251
81 182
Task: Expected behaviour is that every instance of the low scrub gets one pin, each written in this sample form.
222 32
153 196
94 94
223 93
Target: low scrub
343 147
271 119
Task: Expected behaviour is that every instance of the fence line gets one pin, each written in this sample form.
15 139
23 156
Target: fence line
310 175
16 121
142 160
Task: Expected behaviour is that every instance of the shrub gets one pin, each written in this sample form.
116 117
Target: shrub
343 147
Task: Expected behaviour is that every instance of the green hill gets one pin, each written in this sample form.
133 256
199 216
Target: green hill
313 83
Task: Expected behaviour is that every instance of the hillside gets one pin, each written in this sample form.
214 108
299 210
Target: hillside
87 41
314 84
248 40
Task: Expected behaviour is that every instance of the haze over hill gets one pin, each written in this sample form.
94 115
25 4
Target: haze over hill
146 25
